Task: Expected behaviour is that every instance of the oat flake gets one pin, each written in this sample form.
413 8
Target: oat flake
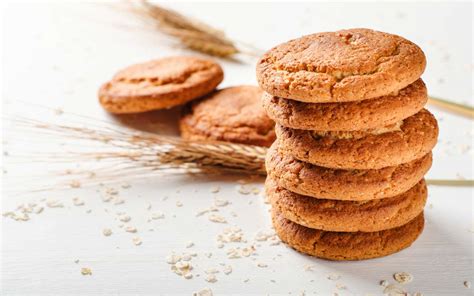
403 277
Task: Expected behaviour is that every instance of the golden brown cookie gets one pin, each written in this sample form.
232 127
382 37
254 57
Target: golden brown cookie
348 116
392 145
348 216
312 180
347 245
160 84
341 66
232 114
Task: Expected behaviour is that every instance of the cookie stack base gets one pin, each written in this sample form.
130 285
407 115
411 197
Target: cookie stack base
342 246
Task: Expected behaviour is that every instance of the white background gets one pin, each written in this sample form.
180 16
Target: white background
57 55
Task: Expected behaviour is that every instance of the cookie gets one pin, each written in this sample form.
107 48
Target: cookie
160 84
347 245
341 66
312 180
347 116
392 145
347 216
232 114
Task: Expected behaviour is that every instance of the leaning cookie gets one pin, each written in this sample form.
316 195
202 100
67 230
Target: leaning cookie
347 216
312 180
341 66
392 145
347 116
347 245
232 114
160 84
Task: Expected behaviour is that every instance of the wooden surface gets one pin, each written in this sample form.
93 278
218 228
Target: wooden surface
57 55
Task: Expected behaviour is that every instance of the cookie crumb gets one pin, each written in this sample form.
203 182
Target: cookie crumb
467 284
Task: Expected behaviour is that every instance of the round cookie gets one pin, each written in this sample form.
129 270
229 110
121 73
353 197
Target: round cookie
341 66
160 84
392 145
347 245
311 180
348 216
232 114
347 116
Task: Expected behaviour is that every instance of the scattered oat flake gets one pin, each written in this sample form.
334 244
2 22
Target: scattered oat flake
125 218
157 215
189 244
262 265
231 234
340 286
137 241
244 189
211 278
205 211
203 292
86 271
467 284
217 219
403 277
215 189
333 276
211 271
308 267
75 184
179 204
107 231
130 229
394 290
383 283
77 201
54 204
221 202
227 269
173 259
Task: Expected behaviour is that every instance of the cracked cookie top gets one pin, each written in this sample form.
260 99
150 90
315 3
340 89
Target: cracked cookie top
341 66
233 114
160 84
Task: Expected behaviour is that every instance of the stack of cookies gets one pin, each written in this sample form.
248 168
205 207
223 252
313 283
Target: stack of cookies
345 175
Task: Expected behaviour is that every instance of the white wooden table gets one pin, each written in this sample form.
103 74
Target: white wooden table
57 55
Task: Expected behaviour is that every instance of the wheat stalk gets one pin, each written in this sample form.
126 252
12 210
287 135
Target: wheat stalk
192 33
130 153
